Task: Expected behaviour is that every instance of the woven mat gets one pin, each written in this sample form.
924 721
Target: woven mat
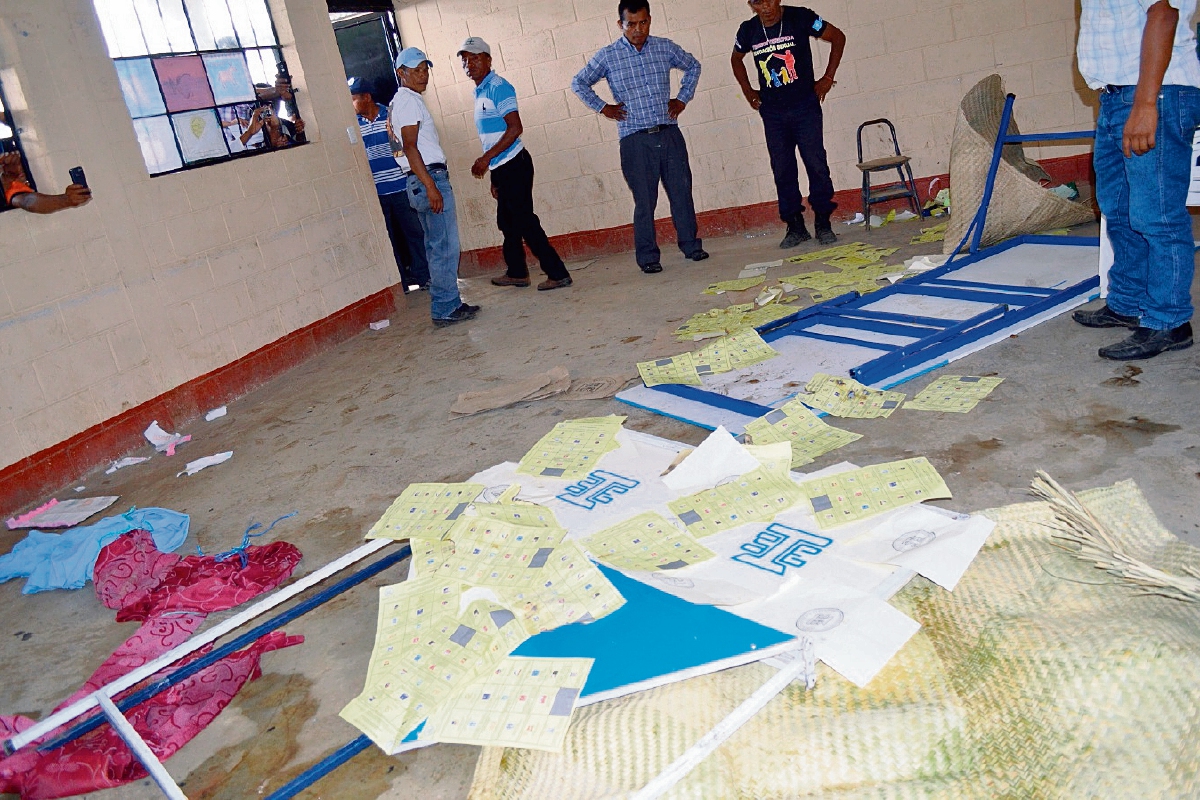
1040 676
1019 203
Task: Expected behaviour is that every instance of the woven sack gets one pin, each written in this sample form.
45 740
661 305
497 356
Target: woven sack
1019 204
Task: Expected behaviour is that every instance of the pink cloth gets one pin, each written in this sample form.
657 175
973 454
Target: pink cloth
172 596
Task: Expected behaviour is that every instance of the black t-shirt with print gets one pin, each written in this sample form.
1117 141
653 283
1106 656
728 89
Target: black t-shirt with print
782 54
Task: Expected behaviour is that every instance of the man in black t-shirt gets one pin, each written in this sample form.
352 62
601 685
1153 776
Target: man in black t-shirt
789 101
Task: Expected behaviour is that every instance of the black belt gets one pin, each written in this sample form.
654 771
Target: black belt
1111 88
655 129
429 168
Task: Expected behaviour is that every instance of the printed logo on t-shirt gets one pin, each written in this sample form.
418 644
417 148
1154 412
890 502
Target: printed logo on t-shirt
777 61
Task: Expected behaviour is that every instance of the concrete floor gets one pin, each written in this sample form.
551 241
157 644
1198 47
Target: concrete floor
339 437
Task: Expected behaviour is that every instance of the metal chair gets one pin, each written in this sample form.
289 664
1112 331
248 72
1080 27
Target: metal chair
906 187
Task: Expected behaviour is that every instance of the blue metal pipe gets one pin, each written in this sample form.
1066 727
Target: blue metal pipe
319 770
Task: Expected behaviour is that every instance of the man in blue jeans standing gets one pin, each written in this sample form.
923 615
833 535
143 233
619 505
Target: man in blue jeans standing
1141 56
429 191
638 69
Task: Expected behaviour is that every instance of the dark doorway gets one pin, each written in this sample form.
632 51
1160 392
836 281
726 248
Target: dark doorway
368 40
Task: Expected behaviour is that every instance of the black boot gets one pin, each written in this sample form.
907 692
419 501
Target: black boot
796 233
825 234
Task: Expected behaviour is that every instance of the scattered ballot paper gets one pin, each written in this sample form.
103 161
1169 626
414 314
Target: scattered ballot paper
164 442
121 463
200 463
754 270
380 325
216 413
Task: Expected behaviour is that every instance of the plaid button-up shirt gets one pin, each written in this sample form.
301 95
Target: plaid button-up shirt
1110 43
639 79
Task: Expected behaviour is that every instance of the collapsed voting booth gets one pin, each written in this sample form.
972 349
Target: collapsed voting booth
609 562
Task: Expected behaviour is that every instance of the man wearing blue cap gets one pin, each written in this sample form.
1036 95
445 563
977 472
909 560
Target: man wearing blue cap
499 126
403 224
424 163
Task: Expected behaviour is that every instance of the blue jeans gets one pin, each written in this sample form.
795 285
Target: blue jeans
1145 201
441 243
647 158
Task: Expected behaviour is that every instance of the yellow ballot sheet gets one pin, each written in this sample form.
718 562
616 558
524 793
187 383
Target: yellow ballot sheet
674 369
425 510
732 352
524 702
546 581
735 285
646 543
732 319
756 496
808 435
829 252
573 448
426 650
846 397
862 493
865 287
936 233
956 393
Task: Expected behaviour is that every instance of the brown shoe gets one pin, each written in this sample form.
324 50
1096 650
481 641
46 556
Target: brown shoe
505 280
547 285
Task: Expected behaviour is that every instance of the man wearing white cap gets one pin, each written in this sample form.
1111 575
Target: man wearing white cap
429 190
499 126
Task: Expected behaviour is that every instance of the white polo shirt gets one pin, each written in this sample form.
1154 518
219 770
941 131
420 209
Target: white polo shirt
408 108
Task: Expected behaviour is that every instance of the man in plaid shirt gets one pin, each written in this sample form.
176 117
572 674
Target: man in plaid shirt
638 69
1141 56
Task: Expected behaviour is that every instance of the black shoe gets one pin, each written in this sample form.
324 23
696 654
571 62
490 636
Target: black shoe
1147 343
460 314
1104 317
824 229
651 268
796 233
550 284
699 255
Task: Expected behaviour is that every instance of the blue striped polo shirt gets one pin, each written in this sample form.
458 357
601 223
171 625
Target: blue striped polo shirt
389 179
495 97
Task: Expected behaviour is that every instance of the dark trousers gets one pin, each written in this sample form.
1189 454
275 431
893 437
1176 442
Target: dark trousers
408 240
646 159
513 182
798 127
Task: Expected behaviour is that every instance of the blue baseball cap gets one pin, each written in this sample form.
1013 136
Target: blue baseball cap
412 57
359 86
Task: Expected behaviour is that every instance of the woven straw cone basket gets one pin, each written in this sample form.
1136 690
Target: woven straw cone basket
1019 204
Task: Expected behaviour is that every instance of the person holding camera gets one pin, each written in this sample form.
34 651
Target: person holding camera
19 194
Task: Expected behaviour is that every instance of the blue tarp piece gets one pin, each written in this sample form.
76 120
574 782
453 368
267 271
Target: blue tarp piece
66 560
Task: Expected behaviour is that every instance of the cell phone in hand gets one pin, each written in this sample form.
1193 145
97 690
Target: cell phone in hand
77 176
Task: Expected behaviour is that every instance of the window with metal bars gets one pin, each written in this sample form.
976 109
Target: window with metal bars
204 80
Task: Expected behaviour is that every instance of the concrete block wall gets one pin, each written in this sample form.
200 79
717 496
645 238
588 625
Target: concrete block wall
160 280
905 60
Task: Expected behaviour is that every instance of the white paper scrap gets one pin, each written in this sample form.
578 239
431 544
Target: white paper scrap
718 457
164 442
754 270
200 463
65 513
128 461
930 541
380 325
216 413
81 488
853 632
